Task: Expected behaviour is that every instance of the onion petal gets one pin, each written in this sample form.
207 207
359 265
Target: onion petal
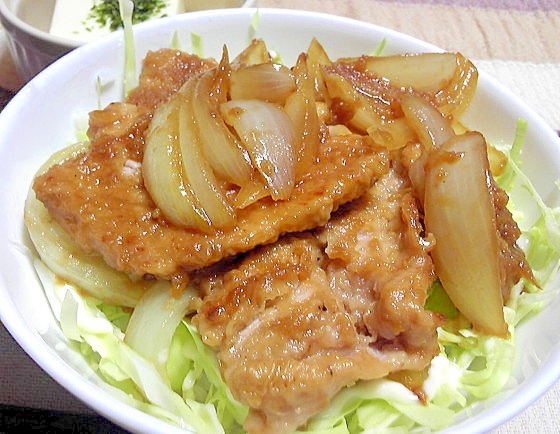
162 169
201 180
266 81
221 148
254 54
459 211
302 111
432 130
317 57
267 133
426 120
366 104
154 321
425 72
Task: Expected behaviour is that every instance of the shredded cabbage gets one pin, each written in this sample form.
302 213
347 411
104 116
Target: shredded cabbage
192 396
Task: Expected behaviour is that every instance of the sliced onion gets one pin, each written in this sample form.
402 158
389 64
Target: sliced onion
162 169
432 129
251 193
267 133
154 321
221 148
176 174
214 207
393 133
317 58
266 81
254 54
450 78
459 211
458 94
301 108
424 72
426 120
366 105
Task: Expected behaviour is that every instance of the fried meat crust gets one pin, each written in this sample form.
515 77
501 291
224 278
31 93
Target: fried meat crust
297 321
99 197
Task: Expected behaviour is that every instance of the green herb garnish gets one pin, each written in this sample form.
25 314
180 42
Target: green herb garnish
106 12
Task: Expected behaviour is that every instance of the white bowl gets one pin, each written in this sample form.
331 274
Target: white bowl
42 118
32 47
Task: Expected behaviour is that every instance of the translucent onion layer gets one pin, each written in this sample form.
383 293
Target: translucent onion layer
268 135
459 211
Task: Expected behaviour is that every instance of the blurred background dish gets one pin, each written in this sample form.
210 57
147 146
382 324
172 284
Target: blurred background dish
39 32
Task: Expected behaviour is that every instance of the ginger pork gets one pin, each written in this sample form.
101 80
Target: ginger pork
309 209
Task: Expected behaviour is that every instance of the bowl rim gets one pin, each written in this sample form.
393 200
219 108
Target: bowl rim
87 392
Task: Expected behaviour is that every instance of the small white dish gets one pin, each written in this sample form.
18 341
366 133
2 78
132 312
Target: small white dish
32 47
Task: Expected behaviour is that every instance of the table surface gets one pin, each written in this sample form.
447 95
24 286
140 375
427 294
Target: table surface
514 40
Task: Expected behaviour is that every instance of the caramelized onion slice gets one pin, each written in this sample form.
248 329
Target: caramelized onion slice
267 81
367 105
449 78
317 58
162 169
220 146
458 94
268 135
301 108
254 54
459 211
426 120
425 72
214 208
178 177
432 130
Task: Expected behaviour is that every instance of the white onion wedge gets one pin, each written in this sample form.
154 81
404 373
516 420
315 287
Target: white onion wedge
267 133
426 120
267 81
425 72
367 105
432 130
449 78
201 180
459 211
154 321
162 169
254 54
301 108
458 94
317 58
221 148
